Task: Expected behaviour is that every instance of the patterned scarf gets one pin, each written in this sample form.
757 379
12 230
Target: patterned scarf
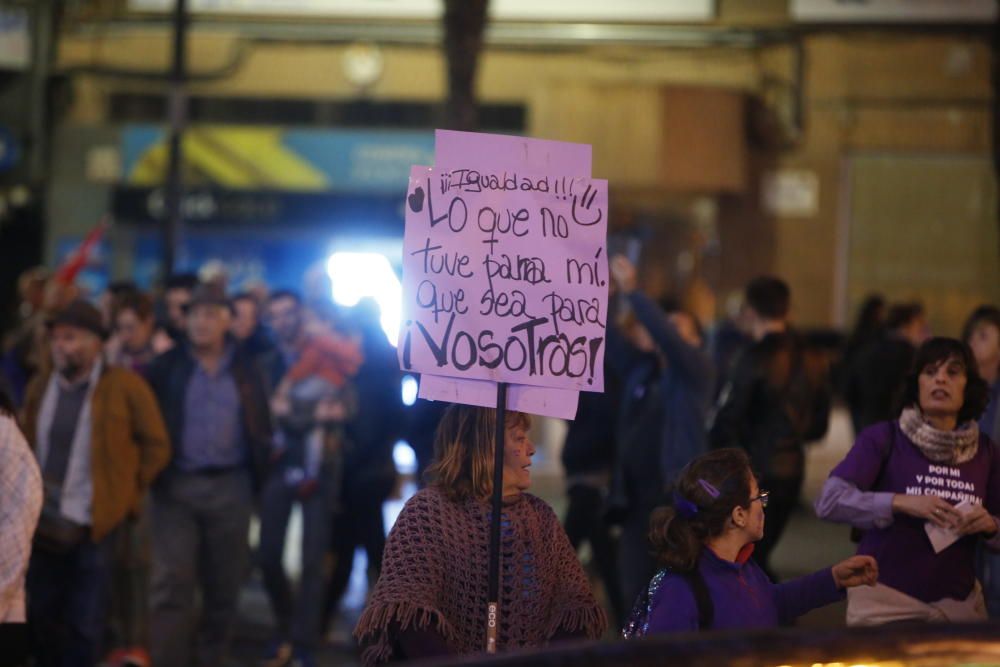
950 447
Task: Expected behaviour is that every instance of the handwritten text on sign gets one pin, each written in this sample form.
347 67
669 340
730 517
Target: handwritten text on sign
505 277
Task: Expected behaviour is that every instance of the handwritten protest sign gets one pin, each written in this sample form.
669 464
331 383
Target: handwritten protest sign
505 275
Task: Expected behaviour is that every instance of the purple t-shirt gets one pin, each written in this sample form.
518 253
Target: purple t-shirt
884 459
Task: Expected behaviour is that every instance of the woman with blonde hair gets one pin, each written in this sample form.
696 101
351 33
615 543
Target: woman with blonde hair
430 599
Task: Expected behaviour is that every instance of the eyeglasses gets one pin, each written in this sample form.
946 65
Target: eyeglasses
762 497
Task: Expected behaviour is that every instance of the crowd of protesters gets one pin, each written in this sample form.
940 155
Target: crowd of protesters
159 426
162 423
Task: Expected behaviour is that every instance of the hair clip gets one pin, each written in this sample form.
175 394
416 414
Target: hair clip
684 507
709 489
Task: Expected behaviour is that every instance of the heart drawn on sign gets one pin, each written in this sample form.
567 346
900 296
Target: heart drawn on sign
416 200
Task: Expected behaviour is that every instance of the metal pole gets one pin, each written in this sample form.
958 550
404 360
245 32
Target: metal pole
493 599
177 119
41 18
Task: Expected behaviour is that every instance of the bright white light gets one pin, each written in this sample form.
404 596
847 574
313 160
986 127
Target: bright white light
356 275
409 390
404 457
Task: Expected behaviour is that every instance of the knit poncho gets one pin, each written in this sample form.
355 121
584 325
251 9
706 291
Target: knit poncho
434 575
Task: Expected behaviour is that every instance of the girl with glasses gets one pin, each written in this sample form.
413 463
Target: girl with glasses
704 541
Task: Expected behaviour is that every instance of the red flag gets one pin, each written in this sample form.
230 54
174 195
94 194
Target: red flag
67 273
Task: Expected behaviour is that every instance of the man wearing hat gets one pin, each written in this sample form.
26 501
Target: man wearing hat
100 441
217 413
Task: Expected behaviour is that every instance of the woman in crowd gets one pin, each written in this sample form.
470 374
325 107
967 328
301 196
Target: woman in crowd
982 334
20 505
705 540
926 489
430 597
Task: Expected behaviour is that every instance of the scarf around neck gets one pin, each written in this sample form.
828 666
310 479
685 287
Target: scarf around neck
951 447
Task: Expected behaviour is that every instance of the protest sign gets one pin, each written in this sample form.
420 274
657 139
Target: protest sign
534 183
505 277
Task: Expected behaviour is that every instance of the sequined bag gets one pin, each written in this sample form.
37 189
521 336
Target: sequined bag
638 621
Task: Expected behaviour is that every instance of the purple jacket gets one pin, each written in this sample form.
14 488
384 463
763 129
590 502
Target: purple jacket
742 595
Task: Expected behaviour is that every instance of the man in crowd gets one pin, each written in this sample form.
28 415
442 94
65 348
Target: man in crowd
100 441
216 407
775 400
176 297
369 469
311 402
247 327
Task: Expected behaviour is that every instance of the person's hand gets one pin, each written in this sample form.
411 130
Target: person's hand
932 508
162 342
623 273
976 520
855 571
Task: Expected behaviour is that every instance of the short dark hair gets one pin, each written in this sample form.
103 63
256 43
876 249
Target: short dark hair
187 281
901 314
938 350
769 296
120 288
285 294
246 296
137 302
984 314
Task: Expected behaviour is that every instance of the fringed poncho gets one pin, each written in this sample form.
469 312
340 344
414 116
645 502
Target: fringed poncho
434 576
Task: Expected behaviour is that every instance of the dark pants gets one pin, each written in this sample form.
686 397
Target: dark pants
359 523
584 522
298 620
782 501
635 560
129 615
199 524
68 604
988 571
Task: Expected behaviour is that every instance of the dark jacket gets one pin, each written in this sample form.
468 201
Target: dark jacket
661 422
590 440
169 375
258 343
772 405
875 380
378 424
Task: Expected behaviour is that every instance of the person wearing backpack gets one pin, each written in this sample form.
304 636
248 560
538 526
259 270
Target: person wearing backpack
925 488
704 541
